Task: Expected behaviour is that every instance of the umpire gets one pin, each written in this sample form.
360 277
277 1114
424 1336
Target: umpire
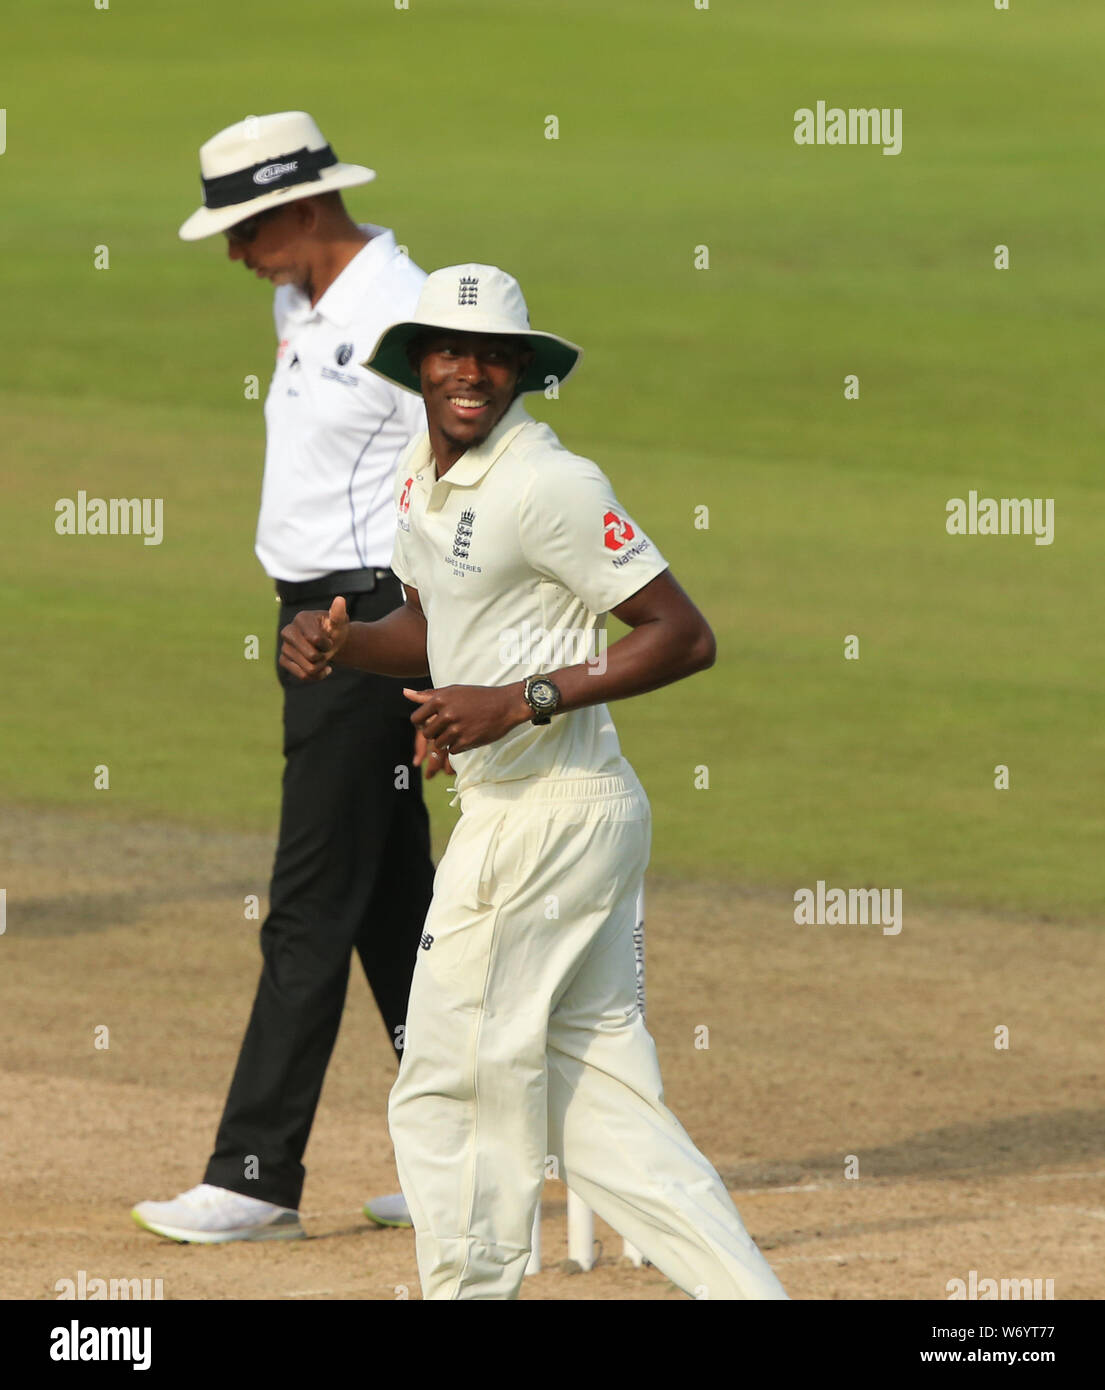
353 867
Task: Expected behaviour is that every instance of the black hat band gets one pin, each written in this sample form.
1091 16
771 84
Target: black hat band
301 166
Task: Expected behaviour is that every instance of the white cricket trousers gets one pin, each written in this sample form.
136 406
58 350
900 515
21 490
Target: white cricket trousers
524 1040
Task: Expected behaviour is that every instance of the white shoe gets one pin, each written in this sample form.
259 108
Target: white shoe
389 1211
208 1215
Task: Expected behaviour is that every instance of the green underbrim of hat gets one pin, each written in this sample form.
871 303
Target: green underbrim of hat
552 357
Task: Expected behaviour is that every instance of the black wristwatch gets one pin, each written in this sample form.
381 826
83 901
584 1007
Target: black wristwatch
543 698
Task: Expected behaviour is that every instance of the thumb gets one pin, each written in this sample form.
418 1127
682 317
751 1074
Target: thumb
420 695
338 612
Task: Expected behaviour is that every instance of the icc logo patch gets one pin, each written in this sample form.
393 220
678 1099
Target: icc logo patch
343 354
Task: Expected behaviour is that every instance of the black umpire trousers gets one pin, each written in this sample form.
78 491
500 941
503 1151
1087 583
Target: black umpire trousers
352 872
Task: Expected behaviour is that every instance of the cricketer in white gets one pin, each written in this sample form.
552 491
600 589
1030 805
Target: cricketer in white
524 1037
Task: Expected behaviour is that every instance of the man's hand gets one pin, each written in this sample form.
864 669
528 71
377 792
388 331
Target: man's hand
312 640
435 760
459 717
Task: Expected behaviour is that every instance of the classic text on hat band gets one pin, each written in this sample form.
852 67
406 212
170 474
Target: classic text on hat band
286 170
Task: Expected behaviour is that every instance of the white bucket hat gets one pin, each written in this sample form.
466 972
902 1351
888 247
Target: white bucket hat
473 299
262 162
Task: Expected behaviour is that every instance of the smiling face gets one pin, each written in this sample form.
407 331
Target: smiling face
468 382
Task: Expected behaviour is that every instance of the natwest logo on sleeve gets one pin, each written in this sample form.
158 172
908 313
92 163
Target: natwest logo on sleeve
617 531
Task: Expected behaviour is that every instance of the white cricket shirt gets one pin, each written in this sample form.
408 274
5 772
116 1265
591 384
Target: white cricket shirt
518 553
334 431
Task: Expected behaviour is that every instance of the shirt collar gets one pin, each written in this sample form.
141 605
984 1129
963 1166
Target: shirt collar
340 302
474 463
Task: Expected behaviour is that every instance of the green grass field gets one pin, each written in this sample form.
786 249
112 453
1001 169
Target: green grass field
720 387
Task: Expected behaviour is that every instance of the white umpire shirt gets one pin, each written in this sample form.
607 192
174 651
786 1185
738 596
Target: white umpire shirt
518 553
334 431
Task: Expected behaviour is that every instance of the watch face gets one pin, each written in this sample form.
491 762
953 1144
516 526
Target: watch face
543 695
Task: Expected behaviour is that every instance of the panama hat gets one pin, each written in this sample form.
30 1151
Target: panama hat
473 299
261 163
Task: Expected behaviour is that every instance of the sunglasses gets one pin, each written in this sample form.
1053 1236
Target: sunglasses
244 231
